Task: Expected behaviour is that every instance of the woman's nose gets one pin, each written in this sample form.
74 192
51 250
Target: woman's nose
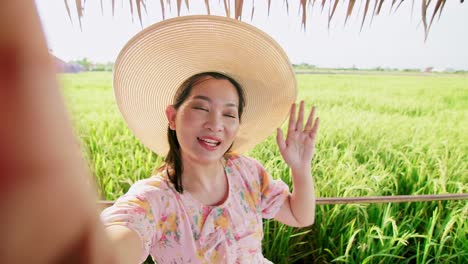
214 122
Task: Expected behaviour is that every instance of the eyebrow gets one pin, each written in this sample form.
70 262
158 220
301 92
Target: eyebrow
206 98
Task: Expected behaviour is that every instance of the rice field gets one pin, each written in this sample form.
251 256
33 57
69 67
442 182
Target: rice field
379 135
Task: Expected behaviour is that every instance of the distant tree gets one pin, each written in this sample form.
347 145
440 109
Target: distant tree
411 70
304 66
85 63
103 66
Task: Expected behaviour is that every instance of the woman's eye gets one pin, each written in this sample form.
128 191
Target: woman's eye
200 108
230 115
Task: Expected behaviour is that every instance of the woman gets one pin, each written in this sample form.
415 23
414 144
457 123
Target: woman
230 84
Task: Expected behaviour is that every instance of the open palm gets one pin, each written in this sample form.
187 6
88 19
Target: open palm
299 146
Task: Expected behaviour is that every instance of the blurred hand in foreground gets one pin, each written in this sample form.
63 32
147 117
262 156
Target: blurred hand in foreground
47 197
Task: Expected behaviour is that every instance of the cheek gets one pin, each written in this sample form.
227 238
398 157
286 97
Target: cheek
233 127
187 118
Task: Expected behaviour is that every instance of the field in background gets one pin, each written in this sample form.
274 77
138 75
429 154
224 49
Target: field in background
379 135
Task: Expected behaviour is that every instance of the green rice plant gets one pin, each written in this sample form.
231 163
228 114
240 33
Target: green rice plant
379 135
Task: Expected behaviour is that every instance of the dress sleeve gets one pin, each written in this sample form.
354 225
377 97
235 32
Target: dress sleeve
273 193
134 211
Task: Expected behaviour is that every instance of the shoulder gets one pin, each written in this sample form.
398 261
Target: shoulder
151 196
249 169
152 187
241 162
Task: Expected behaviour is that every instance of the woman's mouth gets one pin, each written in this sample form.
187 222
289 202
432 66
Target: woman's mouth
208 143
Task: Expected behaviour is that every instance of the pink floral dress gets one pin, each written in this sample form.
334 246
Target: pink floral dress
176 228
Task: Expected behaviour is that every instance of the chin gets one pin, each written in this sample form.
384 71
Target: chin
203 156
210 157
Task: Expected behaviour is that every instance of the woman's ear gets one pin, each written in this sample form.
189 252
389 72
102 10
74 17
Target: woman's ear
171 115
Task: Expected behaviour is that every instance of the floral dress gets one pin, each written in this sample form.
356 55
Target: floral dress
176 228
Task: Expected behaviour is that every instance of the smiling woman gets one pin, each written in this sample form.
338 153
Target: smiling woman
197 92
219 215
208 200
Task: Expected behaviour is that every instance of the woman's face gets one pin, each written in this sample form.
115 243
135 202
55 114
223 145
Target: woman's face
207 122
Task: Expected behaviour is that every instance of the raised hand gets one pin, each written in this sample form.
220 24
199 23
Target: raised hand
48 207
299 146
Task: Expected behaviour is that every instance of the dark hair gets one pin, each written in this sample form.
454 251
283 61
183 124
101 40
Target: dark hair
173 162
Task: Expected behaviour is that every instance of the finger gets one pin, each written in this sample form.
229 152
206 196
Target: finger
308 125
300 118
280 140
292 119
314 131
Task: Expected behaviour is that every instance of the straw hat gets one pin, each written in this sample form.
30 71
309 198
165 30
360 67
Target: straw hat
154 63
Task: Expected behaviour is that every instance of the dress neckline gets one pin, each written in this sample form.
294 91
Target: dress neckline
187 195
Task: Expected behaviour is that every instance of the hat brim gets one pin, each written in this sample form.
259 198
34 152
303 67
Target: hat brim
155 62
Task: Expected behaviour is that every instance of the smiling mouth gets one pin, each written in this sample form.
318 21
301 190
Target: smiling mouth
210 142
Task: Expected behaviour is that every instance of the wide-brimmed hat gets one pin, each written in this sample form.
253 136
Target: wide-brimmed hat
157 60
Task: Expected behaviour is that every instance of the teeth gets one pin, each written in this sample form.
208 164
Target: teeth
210 142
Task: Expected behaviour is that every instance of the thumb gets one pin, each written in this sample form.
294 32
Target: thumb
279 140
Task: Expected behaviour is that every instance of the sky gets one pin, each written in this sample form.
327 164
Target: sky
392 40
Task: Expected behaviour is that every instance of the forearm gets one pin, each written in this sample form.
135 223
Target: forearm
303 197
127 244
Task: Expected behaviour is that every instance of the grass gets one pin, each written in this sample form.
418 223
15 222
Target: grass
379 135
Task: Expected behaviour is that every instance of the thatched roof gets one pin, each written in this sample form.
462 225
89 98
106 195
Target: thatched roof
429 9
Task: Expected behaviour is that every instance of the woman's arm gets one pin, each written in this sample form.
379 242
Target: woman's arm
127 244
299 208
298 151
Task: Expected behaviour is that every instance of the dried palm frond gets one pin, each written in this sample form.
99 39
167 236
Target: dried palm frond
379 7
227 5
207 4
238 9
303 5
424 10
253 10
179 5
67 7
162 9
366 7
79 9
437 7
332 12
398 6
131 8
350 9
323 4
304 12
